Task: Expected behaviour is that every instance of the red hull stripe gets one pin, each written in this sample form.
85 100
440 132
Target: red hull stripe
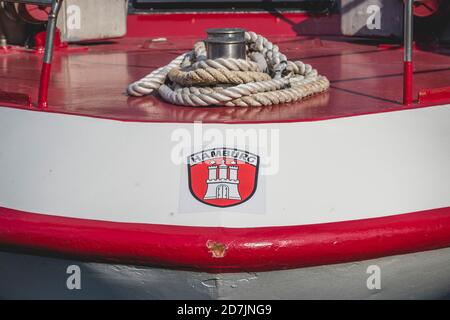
215 249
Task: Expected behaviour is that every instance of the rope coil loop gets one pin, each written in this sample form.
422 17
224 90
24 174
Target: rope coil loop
265 78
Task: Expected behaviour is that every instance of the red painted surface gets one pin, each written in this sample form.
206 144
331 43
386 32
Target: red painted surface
426 8
364 78
14 98
195 24
225 249
395 46
435 95
43 85
41 37
408 83
35 12
6 49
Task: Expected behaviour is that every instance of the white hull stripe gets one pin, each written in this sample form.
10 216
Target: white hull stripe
333 170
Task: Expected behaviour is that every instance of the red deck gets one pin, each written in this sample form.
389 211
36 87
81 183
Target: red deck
364 79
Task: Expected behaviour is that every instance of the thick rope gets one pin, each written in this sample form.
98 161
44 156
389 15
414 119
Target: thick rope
266 77
212 76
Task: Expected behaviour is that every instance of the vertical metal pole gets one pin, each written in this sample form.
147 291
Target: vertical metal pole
48 54
3 41
408 64
2 36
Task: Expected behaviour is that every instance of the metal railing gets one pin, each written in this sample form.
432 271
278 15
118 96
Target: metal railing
49 44
407 59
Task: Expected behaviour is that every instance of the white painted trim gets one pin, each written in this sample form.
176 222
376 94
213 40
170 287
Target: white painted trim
333 170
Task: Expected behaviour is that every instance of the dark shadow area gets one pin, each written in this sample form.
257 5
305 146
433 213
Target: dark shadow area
229 5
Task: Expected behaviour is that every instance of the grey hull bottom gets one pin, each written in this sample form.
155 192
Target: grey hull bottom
424 275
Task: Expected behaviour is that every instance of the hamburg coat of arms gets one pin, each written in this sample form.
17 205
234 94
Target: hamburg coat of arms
223 177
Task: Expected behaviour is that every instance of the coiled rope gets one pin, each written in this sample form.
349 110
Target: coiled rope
265 78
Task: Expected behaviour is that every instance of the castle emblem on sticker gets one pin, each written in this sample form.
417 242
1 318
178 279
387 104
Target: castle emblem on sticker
223 177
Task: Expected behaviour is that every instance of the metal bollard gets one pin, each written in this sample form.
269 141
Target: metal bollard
225 43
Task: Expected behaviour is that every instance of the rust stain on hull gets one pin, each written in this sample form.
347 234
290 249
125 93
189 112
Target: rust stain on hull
217 249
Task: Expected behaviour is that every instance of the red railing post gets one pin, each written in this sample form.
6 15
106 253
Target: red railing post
407 61
48 54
